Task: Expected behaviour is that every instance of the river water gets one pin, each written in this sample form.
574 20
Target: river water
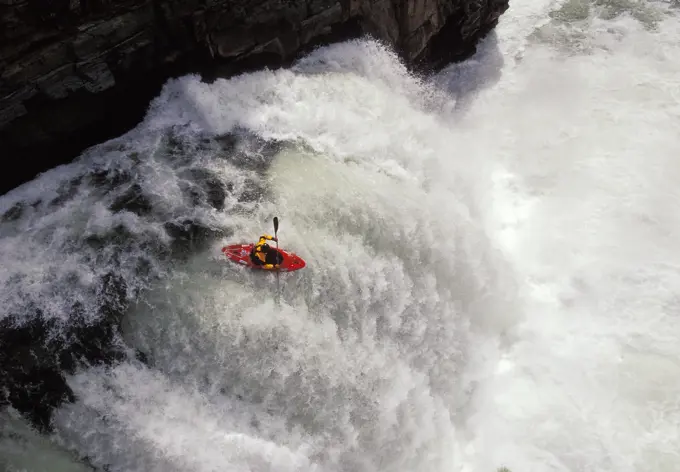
492 262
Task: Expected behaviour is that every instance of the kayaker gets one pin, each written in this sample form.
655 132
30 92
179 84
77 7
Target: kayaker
263 255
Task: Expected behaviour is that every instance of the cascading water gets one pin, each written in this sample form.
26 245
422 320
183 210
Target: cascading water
492 264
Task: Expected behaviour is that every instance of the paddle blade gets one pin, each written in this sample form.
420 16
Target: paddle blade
276 224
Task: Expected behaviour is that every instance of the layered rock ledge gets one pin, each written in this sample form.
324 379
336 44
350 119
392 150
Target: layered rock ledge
76 72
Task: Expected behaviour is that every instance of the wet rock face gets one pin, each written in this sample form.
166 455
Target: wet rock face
36 355
77 72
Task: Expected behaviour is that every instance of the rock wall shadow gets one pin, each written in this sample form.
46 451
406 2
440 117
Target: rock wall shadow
465 80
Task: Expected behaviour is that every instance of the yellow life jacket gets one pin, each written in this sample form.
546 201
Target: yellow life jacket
258 248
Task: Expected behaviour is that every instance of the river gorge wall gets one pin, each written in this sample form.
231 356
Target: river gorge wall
74 73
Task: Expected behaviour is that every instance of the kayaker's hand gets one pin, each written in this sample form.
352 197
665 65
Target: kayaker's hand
275 240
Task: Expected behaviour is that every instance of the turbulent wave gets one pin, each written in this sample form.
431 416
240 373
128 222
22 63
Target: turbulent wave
491 265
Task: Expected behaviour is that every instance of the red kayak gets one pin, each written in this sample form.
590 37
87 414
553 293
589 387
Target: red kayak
240 253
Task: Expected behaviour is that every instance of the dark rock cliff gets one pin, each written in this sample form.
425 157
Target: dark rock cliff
77 72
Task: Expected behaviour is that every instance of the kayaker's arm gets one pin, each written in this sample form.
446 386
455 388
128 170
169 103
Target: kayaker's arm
265 237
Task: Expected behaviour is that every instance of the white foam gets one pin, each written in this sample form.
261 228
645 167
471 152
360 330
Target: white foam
487 285
585 207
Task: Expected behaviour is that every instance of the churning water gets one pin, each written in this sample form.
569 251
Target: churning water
493 262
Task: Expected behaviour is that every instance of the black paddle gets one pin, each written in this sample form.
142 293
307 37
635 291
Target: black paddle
276 229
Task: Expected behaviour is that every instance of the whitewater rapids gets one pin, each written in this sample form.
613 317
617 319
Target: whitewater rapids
493 262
